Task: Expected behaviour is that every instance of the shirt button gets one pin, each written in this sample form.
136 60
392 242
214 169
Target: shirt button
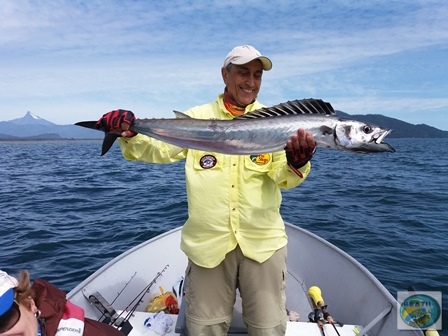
233 186
234 164
233 209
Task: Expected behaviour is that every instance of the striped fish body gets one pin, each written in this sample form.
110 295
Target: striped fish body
262 131
238 136
267 130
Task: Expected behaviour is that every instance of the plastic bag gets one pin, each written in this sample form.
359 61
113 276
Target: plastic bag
166 302
159 322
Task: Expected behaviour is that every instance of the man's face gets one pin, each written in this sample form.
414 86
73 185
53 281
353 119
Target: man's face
243 81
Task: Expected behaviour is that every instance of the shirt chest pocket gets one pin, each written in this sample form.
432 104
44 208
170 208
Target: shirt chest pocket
207 161
260 163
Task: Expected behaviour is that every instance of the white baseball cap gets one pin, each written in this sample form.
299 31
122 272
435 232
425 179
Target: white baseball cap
7 285
244 54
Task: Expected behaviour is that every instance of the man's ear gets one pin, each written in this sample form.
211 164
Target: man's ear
224 74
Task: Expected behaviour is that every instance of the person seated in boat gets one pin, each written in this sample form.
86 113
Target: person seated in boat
41 309
234 237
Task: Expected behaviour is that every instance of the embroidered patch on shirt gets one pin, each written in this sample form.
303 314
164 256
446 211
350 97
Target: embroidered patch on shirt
260 159
207 161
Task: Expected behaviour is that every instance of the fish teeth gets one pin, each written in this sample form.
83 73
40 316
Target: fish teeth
382 136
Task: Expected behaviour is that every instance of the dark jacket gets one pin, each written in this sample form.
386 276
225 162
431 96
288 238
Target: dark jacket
51 302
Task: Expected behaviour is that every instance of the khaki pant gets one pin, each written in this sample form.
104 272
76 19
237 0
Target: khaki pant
211 293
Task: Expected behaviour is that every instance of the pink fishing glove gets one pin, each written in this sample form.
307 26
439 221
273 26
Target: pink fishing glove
112 120
298 157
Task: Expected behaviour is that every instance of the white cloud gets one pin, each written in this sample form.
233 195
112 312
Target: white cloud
89 55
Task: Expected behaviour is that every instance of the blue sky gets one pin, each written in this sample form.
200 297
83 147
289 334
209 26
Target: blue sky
70 60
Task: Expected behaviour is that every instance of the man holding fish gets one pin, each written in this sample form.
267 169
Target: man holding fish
234 237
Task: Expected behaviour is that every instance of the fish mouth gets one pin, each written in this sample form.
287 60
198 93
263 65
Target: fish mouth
384 134
379 141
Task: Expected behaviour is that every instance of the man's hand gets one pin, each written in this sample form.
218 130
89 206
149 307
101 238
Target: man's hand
117 121
300 148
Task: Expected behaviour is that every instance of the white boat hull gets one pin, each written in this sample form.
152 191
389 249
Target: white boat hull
353 295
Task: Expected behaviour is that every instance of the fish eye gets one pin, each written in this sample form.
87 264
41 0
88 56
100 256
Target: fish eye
367 129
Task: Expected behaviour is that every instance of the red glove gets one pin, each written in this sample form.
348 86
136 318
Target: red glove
112 120
298 157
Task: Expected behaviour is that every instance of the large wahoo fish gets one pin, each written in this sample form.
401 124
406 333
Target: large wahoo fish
262 131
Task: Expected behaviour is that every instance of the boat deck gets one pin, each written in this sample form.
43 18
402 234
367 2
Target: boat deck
293 328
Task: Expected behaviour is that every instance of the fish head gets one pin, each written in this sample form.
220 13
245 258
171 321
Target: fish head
356 136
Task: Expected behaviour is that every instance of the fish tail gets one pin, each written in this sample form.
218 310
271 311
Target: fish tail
88 124
109 138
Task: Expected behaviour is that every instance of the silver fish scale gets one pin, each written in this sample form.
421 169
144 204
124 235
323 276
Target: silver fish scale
265 130
237 136
268 129
265 135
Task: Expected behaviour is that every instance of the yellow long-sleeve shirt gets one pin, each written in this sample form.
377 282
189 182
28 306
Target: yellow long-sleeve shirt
232 199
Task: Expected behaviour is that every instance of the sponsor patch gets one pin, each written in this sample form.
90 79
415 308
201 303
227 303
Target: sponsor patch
208 161
261 159
419 310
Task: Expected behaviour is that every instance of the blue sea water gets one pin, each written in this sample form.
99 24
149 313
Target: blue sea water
66 211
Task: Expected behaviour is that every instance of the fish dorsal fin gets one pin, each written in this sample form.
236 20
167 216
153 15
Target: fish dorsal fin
302 106
181 115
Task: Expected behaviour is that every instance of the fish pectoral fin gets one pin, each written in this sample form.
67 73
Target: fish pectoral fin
181 115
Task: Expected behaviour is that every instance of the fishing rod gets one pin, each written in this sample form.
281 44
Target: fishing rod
124 287
321 311
108 311
139 297
105 307
319 319
316 316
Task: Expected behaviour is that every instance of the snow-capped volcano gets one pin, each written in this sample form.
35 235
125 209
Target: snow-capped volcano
31 119
32 125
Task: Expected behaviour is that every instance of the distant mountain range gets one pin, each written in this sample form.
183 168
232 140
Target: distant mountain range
32 127
401 128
